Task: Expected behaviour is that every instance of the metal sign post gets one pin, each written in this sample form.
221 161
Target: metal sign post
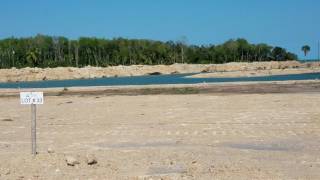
32 98
34 128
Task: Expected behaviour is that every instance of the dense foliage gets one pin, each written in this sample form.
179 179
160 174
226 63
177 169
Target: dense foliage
47 51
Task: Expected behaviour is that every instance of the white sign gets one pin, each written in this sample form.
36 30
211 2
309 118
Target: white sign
31 97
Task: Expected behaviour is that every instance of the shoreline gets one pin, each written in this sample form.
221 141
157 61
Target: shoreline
256 73
304 86
222 70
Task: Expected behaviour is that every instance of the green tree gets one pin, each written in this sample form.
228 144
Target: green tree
48 51
279 54
306 49
33 57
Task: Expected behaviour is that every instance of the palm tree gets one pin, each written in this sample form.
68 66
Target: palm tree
32 57
305 49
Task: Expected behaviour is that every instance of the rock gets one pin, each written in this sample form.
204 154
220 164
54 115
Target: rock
91 159
71 161
154 73
50 150
211 169
6 171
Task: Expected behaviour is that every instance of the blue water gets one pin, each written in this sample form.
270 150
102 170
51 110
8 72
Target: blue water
152 80
309 60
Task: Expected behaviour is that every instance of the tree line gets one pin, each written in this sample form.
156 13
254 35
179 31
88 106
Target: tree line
52 51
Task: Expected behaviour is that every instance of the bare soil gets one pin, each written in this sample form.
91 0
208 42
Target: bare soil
165 136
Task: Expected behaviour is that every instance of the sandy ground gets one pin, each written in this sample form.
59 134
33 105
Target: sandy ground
255 73
201 136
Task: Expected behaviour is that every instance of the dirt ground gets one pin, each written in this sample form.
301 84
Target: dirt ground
201 136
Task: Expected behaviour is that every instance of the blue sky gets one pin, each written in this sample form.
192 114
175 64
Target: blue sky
287 23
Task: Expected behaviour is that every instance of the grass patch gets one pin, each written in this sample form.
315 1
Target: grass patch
64 90
186 90
154 91
7 120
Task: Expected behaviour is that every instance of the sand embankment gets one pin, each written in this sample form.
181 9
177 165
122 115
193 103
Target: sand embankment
255 73
240 69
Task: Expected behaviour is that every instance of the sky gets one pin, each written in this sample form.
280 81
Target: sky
286 23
